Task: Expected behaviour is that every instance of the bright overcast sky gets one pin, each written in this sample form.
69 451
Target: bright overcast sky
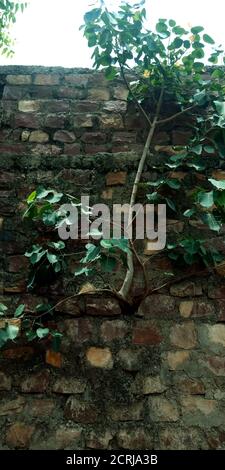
48 31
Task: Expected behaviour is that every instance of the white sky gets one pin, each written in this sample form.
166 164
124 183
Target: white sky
48 31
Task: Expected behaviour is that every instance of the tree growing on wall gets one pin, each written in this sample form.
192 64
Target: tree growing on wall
166 65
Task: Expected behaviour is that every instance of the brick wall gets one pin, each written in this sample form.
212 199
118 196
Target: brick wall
153 377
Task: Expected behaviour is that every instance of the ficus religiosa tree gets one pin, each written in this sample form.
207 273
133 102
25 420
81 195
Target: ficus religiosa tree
170 64
8 12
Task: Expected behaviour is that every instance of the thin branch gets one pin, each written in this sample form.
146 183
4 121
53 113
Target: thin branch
133 95
170 118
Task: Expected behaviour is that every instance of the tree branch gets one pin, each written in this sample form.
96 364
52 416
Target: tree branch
124 291
170 118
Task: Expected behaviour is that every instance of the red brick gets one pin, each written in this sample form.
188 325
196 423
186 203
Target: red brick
54 121
80 411
36 383
70 93
113 330
158 305
72 149
93 149
93 137
13 149
117 178
29 120
146 333
18 353
17 263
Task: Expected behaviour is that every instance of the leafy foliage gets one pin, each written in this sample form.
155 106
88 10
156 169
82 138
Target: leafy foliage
8 12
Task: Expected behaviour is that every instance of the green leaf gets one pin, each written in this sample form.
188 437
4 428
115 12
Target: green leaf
19 311
153 197
31 335
56 340
208 39
173 183
41 308
42 332
92 253
31 197
210 220
197 29
217 184
206 199
3 309
172 23
108 263
171 204
92 15
52 258
189 212
209 149
12 331
111 73
220 107
200 97
80 271
57 245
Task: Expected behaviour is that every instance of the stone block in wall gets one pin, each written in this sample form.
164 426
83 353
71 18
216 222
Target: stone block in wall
163 410
30 120
5 382
158 305
77 80
85 120
181 439
64 136
94 137
72 149
12 406
36 383
120 93
99 94
40 407
176 360
132 412
214 365
72 93
188 386
146 333
54 121
201 412
85 106
138 438
116 178
183 336
69 386
99 439
99 357
81 411
115 106
186 289
46 79
39 137
18 435
28 106
112 330
102 307
212 337
110 121
18 79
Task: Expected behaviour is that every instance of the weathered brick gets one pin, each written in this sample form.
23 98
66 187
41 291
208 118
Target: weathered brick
36 383
5 382
133 439
212 336
19 435
93 149
17 263
189 386
216 292
54 121
39 137
220 310
157 306
146 333
46 79
18 353
163 410
72 149
102 307
12 92
78 80
93 137
215 364
132 412
66 437
120 93
177 359
184 336
186 289
99 94
197 404
11 407
99 357
129 359
186 308
113 330
111 121
85 120
69 385
180 439
85 106
18 79
40 407
70 307
116 178
99 440
81 411
29 120
28 106
70 93
64 136
153 385
115 106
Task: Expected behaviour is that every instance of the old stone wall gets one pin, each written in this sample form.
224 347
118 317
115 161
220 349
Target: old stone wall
151 378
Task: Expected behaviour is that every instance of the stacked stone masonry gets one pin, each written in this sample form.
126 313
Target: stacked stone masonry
153 378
